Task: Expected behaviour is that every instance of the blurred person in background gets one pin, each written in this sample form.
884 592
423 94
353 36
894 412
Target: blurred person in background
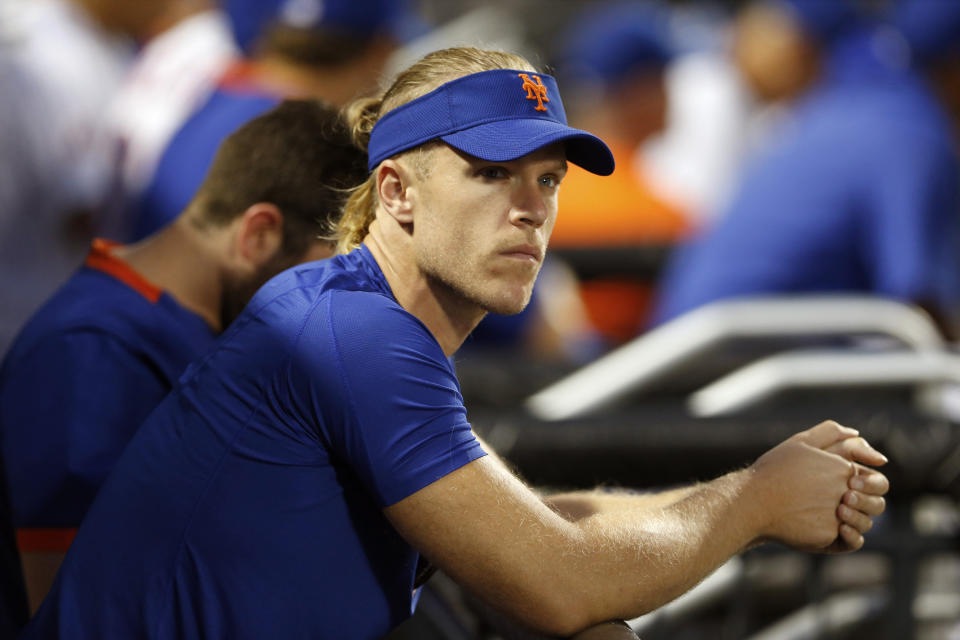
857 189
87 85
189 47
710 116
614 61
96 359
60 62
334 50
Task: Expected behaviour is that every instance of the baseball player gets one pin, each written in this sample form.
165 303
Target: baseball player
286 487
100 355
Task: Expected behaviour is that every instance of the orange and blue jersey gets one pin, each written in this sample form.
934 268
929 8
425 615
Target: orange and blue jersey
79 379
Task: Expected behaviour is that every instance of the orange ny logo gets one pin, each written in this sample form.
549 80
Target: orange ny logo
535 90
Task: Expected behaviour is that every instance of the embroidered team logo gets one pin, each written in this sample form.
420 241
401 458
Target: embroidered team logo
535 89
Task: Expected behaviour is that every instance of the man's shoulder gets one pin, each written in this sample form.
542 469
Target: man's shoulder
87 299
351 277
323 298
340 305
90 306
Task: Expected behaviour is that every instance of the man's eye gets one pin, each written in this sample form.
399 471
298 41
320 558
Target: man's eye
549 181
493 172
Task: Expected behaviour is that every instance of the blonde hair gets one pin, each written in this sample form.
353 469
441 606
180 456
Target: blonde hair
421 78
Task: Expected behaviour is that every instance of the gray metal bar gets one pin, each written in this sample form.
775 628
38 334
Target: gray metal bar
663 349
760 380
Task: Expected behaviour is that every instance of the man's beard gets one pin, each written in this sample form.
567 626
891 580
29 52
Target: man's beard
235 297
449 289
237 292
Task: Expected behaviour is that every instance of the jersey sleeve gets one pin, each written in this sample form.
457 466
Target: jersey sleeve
68 408
382 394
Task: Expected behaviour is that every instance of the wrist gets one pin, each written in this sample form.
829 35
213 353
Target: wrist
751 505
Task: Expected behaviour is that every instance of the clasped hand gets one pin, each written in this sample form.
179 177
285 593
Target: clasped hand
823 495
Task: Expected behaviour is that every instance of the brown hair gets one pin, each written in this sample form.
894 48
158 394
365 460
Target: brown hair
421 78
298 156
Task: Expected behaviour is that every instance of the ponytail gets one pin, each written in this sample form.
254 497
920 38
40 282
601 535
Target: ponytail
361 206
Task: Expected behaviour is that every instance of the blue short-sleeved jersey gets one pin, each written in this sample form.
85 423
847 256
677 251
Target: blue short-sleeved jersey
190 152
249 504
858 194
81 377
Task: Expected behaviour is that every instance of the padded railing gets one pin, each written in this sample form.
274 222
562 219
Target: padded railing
664 349
755 382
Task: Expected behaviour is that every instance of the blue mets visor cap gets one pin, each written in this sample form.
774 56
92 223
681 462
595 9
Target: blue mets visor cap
498 116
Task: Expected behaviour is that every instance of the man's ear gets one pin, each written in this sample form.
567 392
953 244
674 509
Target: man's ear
394 182
259 234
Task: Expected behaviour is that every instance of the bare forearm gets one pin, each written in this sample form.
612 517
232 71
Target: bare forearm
645 556
577 505
628 556
622 556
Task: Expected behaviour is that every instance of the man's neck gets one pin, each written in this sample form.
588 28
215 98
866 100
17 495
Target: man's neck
448 316
182 261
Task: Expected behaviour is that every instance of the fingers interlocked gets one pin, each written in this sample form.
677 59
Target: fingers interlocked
864 499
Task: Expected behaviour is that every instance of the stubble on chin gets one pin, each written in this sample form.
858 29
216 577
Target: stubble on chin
508 306
466 295
468 286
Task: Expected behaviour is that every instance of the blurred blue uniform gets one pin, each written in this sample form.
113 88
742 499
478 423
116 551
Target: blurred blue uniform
859 193
248 18
249 505
359 18
190 153
80 378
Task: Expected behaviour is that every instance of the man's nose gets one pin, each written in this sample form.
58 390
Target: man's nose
529 205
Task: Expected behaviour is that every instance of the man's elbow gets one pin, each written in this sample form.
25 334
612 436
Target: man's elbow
554 612
564 611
